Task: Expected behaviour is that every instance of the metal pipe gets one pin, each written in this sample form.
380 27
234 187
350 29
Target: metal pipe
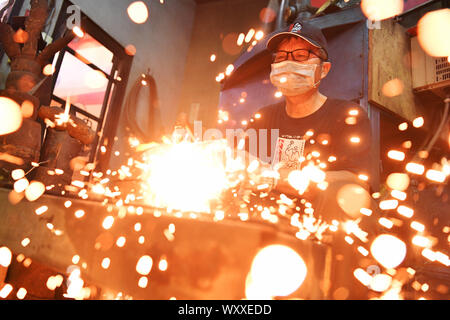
280 16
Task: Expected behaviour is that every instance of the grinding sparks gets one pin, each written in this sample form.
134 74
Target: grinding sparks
388 250
25 242
143 282
418 122
396 155
34 191
121 242
388 204
79 214
144 265
108 222
355 140
41 210
5 291
5 257
421 241
405 211
435 176
417 226
415 168
106 262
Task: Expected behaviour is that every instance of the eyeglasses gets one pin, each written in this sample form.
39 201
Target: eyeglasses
298 55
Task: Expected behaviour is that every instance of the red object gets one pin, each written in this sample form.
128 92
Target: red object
317 3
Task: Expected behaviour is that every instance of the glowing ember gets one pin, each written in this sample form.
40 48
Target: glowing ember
25 242
436 176
388 204
5 257
79 214
396 155
34 191
21 293
418 122
400 195
421 241
355 140
108 222
405 211
417 226
138 12
276 270
18 174
10 116
388 250
106 262
143 282
163 265
144 265
415 168
76 259
403 126
250 35
121 242
362 276
5 291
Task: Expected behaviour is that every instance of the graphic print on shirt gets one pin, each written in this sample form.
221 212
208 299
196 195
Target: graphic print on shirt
288 152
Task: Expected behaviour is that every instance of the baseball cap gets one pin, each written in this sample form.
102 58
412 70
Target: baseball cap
300 29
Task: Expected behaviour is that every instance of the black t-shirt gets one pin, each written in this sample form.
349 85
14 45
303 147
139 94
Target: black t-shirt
337 135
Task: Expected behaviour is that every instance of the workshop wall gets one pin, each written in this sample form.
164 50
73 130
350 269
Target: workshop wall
162 44
216 28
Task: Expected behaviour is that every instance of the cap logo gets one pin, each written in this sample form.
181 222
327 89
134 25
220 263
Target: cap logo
297 27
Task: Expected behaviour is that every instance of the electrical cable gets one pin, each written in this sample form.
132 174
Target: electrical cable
146 81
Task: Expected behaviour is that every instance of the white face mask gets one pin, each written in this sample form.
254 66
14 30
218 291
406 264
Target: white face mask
293 78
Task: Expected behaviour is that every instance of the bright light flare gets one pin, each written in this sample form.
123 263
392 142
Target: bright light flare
276 270
186 176
388 250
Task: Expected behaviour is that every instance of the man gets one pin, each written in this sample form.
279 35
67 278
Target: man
331 133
